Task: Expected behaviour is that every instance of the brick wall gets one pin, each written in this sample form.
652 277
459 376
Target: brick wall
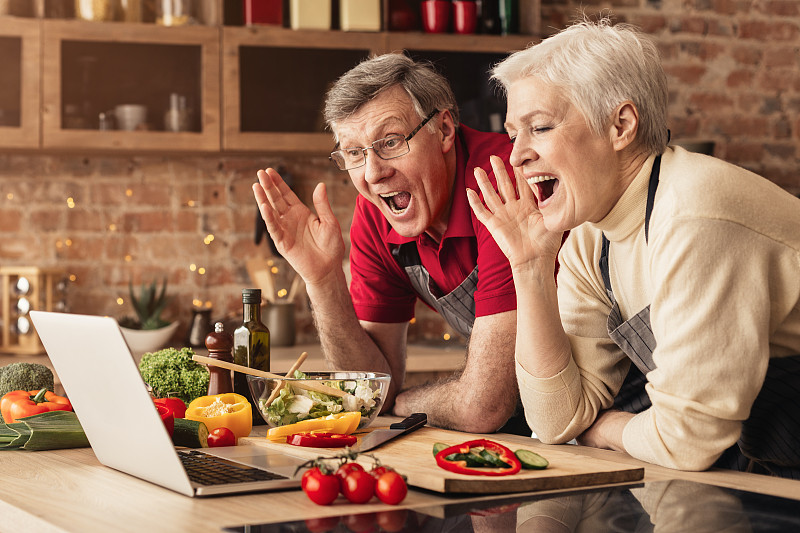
734 73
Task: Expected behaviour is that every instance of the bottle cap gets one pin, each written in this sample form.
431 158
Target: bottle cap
251 296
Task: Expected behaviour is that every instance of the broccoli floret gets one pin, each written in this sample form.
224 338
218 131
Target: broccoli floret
172 372
25 376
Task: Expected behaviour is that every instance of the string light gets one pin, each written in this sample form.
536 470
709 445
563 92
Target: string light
197 303
70 202
129 192
282 293
120 301
10 196
68 242
274 270
128 258
192 267
209 239
190 203
208 304
201 271
446 336
73 277
112 227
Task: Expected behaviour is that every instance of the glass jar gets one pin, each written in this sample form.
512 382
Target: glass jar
96 10
176 12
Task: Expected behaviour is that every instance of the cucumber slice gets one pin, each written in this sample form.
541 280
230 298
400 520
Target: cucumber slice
493 459
531 460
439 446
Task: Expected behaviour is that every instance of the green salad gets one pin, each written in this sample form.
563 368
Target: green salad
295 404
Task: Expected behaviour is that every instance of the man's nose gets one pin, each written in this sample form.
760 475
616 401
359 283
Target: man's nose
376 168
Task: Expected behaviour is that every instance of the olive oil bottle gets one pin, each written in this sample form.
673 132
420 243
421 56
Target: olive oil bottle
250 347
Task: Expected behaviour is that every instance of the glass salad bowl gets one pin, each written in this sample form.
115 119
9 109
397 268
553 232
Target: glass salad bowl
306 397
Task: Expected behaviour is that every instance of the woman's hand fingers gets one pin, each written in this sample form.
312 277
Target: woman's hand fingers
504 184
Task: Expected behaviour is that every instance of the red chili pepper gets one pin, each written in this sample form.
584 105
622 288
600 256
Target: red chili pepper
321 440
458 463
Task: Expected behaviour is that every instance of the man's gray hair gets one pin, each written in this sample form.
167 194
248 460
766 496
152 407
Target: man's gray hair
427 88
598 66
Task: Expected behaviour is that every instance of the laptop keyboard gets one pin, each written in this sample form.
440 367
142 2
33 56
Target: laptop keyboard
205 469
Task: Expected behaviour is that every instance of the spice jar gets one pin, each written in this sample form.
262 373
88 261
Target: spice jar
176 12
96 10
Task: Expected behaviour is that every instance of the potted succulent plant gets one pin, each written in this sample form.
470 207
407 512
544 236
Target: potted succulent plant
148 330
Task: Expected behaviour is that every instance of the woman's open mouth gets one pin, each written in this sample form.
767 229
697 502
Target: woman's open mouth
397 201
544 185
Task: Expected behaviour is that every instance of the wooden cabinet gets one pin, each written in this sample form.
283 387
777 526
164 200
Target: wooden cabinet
248 89
91 68
276 79
19 92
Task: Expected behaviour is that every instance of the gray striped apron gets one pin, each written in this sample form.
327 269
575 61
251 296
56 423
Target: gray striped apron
770 439
457 308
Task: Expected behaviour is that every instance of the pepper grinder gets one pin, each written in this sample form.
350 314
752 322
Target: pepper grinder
219 344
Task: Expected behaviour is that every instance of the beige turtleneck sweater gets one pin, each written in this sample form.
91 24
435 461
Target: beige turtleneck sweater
721 272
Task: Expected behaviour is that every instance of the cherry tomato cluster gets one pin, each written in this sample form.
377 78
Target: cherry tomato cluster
323 484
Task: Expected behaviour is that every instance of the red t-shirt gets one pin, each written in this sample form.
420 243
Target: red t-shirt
380 288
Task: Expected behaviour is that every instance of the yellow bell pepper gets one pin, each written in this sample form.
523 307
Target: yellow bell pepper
343 423
229 410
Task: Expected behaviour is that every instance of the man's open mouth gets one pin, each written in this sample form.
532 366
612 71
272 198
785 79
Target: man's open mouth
545 186
397 201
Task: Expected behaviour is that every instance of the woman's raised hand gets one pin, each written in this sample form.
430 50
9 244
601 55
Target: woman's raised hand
311 243
514 221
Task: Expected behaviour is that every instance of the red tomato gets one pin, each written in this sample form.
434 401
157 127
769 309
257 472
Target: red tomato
320 488
221 437
359 486
344 470
392 521
378 471
391 488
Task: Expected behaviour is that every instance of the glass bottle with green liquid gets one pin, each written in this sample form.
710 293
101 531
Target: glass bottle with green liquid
250 347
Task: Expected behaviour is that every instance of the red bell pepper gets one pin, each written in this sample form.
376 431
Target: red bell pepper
175 405
167 417
458 462
321 440
19 404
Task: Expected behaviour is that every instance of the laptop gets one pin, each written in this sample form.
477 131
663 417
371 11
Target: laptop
103 383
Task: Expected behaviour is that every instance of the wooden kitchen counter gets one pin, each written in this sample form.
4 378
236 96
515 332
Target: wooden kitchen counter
68 490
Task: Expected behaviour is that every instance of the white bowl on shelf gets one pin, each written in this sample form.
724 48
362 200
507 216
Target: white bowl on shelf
141 341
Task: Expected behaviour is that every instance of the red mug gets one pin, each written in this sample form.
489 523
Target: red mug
465 16
436 15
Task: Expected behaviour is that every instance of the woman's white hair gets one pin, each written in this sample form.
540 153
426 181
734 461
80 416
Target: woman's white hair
598 66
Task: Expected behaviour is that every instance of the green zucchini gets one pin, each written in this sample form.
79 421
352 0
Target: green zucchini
190 433
531 460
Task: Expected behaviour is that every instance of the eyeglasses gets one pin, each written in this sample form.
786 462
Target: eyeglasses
386 148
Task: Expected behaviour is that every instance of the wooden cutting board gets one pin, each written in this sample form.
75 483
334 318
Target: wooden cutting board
412 456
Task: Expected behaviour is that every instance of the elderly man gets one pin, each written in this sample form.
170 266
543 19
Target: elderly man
679 266
413 236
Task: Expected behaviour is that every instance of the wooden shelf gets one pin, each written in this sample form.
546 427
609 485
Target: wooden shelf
148 85
20 93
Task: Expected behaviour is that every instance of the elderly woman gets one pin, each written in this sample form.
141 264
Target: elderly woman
678 266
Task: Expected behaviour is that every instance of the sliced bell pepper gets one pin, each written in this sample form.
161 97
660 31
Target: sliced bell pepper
167 417
229 410
343 423
454 459
321 440
174 404
19 404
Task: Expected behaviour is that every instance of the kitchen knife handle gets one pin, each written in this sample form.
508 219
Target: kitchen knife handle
416 420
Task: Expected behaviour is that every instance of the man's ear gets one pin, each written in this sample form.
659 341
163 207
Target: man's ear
447 131
624 126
